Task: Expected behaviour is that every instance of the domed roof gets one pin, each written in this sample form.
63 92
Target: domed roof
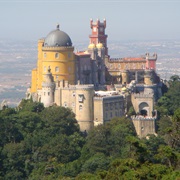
124 89
99 45
91 46
57 38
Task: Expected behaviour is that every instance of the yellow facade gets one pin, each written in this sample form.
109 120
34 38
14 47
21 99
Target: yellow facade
61 61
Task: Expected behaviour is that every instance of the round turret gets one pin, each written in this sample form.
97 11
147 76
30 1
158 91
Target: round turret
48 87
99 45
91 46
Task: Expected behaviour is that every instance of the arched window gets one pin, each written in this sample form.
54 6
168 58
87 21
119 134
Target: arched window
56 55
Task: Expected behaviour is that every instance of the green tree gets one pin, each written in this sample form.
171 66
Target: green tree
14 157
29 105
59 120
170 101
98 162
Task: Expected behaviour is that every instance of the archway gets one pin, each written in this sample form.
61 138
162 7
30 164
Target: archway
144 109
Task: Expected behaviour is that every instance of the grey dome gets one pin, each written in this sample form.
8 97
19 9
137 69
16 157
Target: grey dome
57 38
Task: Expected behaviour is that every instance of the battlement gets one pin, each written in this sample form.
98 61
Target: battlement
142 95
139 59
97 23
153 57
143 118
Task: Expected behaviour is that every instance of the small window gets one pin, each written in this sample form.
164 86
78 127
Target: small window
65 104
81 98
45 55
44 68
69 55
48 93
57 77
56 69
44 93
56 55
73 94
80 107
111 114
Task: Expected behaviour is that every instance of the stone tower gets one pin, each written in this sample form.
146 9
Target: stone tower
84 106
48 88
98 33
125 77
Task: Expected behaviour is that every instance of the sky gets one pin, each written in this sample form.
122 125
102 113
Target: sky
126 19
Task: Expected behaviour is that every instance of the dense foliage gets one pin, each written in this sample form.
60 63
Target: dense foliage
46 143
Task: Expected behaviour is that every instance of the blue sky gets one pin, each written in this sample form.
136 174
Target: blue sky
126 19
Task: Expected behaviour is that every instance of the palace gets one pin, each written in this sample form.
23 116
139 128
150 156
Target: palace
95 86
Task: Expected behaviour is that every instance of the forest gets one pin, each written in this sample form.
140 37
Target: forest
46 143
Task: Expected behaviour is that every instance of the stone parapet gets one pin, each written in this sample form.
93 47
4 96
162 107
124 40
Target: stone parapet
146 118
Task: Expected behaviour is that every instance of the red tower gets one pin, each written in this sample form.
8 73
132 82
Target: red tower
98 33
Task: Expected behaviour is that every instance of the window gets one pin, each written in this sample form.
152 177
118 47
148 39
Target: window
106 107
56 55
45 55
73 94
44 68
142 66
80 107
57 77
119 66
134 66
69 55
48 93
111 106
80 98
56 69
116 105
65 104
127 66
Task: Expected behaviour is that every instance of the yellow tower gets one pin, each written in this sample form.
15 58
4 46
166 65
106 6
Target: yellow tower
56 52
